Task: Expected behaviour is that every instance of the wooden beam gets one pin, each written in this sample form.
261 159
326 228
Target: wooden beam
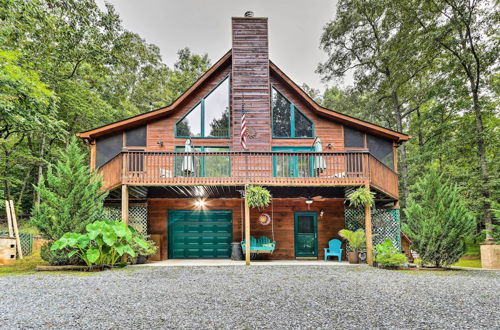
92 155
9 219
16 230
247 230
368 233
125 203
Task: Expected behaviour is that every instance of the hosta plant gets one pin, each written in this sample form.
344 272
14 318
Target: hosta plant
103 243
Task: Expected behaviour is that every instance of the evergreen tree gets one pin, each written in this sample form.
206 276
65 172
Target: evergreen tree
438 221
71 196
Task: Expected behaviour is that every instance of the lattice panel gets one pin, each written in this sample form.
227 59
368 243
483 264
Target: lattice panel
385 224
137 216
26 242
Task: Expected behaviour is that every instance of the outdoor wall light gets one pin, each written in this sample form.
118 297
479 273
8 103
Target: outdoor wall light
321 213
160 143
199 203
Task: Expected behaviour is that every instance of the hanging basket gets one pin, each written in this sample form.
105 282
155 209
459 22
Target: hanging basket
264 219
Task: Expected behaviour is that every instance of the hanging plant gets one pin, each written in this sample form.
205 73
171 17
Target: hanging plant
361 197
258 197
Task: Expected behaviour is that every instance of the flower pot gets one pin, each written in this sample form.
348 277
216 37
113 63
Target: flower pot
353 257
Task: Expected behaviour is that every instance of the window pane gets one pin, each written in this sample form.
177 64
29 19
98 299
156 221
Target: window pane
191 124
216 166
136 137
107 148
281 115
305 224
303 127
182 161
381 149
353 138
217 111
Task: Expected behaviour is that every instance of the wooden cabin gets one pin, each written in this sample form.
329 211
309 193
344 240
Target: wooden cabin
191 200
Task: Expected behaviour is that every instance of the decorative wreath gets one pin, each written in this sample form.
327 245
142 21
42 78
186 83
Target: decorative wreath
264 219
251 133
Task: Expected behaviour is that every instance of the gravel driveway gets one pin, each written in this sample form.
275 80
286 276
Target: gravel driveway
238 297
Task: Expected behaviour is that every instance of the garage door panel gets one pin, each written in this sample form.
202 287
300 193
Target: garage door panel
200 234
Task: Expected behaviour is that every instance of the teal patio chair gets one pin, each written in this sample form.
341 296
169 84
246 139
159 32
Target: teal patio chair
334 249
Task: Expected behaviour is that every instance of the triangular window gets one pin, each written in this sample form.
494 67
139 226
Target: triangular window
288 121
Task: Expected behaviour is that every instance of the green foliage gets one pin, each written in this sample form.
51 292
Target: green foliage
140 248
71 196
361 197
438 222
386 255
356 239
257 197
104 243
58 257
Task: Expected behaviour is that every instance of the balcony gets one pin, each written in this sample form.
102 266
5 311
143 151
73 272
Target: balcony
282 168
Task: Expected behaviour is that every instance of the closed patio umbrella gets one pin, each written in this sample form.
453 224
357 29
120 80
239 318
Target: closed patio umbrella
319 161
188 160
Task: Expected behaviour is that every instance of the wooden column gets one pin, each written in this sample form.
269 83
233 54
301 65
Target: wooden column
125 203
247 230
92 155
368 233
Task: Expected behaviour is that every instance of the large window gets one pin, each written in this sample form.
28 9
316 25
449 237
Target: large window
136 137
210 166
288 120
107 148
381 149
353 138
209 118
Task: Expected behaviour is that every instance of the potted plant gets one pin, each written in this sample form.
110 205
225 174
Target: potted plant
356 240
258 197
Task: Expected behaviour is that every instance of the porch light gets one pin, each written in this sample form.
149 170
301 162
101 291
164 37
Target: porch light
309 201
199 203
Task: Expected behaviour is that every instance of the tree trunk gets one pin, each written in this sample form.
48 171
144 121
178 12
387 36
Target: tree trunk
403 164
40 170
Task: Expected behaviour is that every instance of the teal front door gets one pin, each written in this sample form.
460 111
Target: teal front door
200 234
306 235
292 166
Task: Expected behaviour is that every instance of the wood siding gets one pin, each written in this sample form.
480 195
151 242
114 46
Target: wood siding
283 210
250 81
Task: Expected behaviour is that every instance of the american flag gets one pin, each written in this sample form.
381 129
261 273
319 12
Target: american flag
243 134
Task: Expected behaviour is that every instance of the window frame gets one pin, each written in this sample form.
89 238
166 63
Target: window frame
293 108
202 114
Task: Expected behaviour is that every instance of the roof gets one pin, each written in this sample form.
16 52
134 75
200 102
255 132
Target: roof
322 111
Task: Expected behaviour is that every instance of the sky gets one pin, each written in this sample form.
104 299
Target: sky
295 29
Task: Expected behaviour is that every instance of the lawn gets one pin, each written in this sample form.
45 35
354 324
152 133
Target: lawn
24 266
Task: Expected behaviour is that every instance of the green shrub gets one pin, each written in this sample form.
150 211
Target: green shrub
58 257
356 239
147 249
71 196
104 243
437 221
386 255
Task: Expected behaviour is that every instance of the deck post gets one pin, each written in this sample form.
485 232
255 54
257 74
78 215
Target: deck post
368 233
125 204
247 230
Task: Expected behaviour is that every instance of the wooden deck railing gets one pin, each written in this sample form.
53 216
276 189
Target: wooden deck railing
264 168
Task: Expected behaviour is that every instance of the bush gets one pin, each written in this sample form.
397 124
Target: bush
58 258
71 196
438 222
104 243
386 255
147 249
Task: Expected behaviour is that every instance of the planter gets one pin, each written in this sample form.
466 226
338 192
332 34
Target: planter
353 257
490 256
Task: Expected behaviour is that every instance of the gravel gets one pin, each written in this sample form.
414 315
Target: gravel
258 297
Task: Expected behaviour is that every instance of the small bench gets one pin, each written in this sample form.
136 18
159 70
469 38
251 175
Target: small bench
261 245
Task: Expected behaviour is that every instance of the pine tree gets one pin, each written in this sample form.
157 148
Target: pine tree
71 196
438 221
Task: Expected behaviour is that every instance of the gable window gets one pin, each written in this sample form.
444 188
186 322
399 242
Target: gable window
209 118
288 120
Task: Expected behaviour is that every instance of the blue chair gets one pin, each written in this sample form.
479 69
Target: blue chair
334 249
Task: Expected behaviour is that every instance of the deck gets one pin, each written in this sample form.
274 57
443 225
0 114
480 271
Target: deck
143 168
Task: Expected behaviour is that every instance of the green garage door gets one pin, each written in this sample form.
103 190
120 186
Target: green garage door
199 234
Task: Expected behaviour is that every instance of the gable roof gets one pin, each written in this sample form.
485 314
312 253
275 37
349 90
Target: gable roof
324 112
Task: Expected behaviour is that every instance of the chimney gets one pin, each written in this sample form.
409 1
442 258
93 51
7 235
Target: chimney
250 81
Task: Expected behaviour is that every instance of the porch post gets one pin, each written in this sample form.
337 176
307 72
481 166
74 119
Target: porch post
368 232
247 230
125 204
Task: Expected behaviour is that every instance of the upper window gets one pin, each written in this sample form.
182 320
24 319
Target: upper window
381 149
288 120
209 118
353 138
136 137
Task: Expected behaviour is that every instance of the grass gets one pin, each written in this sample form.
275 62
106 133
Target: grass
25 227
24 266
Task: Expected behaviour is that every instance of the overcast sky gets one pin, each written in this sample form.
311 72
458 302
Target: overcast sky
295 28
